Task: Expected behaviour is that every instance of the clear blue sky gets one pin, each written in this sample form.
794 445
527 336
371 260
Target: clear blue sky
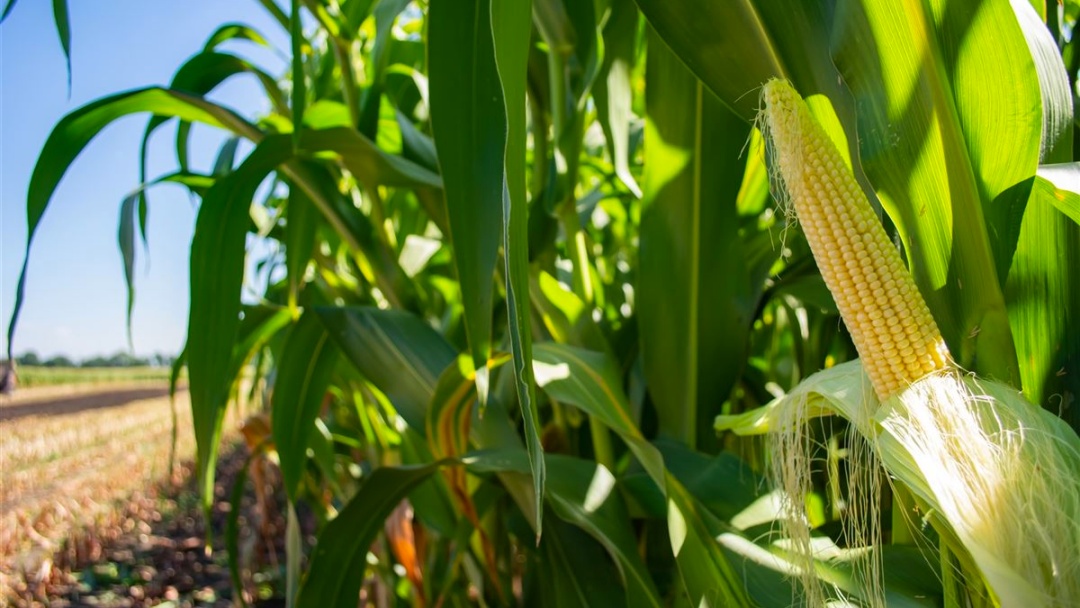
75 298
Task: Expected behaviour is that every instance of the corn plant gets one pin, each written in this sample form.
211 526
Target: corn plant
540 292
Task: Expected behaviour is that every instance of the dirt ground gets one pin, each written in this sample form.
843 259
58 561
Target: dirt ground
90 514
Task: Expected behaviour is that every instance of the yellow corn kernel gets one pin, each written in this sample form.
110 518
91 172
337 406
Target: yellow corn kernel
892 327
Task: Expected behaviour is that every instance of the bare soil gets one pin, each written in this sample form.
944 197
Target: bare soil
91 515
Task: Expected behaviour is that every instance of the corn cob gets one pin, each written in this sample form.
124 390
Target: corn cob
890 323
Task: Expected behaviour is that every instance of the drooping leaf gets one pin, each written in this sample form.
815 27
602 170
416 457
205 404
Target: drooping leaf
585 494
511 25
75 131
591 381
469 124
126 240
395 351
63 30
303 372
234 31
198 76
340 555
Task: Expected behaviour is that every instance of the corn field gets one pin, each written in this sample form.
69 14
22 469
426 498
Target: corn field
637 302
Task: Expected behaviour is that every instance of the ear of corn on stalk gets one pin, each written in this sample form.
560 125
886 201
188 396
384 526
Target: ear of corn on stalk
998 476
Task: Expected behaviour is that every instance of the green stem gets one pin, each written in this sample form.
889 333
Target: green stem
343 55
601 440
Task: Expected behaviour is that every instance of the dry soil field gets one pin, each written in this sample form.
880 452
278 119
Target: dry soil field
71 458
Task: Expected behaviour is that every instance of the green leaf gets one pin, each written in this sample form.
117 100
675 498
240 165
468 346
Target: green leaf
198 76
613 90
63 30
223 164
511 26
396 351
10 4
712 37
74 132
301 228
1059 185
591 381
469 125
585 494
367 161
356 12
217 272
1041 290
340 556
298 97
941 145
573 571
706 572
234 31
303 373
258 325
1044 295
126 239
695 323
386 13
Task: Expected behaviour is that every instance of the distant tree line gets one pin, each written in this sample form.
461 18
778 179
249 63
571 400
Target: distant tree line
120 359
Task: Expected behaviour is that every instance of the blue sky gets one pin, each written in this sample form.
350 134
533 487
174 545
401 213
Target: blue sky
75 298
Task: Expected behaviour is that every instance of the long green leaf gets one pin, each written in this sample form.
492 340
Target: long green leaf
303 373
396 351
301 228
198 76
1040 287
940 146
591 382
217 272
340 556
511 25
126 239
298 96
367 161
585 494
712 37
572 571
63 29
469 125
695 323
71 135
